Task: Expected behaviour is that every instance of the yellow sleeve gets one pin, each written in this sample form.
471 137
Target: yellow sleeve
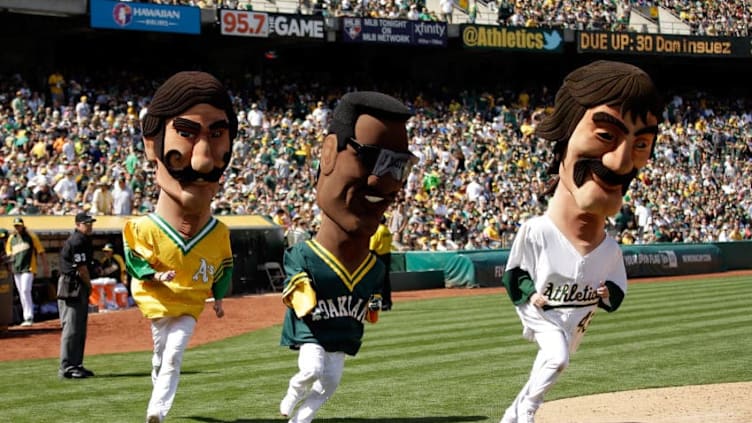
38 247
375 240
123 272
299 294
135 242
8 250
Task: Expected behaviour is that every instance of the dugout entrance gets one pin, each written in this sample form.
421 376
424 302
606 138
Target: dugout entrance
255 239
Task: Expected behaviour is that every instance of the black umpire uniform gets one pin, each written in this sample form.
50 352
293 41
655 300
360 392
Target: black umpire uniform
74 288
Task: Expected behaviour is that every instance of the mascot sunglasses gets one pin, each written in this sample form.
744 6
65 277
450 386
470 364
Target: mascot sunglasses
381 161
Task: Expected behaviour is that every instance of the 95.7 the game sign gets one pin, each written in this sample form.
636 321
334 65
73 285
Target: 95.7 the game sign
264 25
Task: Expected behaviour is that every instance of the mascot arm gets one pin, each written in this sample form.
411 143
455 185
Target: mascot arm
299 294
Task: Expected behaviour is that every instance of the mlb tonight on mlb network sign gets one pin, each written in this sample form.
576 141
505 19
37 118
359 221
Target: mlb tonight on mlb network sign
394 31
134 16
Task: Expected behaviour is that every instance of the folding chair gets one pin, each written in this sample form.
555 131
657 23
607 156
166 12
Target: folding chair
275 275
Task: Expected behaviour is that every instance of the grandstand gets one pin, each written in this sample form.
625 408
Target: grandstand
476 100
470 98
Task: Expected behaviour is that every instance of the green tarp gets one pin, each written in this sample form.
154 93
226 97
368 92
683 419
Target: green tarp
467 269
476 269
486 267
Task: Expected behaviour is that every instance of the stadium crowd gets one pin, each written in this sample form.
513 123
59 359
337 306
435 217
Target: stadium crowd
75 146
711 18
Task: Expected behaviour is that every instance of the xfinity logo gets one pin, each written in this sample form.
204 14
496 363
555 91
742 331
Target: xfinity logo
429 28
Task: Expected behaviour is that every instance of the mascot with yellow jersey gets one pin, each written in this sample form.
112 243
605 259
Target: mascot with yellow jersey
180 256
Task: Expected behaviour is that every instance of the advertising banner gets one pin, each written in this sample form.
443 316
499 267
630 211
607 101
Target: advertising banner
268 25
663 44
512 38
394 31
133 16
671 259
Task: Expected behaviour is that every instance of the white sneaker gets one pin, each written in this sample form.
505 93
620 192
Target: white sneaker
526 416
287 404
508 419
27 323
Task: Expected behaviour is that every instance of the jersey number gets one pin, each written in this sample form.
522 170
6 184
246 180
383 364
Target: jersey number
585 322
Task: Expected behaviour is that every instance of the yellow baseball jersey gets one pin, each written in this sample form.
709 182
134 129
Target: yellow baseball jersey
381 241
203 265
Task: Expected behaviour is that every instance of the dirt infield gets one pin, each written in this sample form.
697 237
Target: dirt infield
128 330
721 403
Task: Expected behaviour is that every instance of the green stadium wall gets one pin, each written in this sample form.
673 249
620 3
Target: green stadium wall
485 268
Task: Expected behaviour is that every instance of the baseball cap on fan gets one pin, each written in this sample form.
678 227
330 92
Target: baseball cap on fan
84 218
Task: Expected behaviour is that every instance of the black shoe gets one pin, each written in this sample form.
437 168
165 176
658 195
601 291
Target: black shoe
85 371
74 373
386 307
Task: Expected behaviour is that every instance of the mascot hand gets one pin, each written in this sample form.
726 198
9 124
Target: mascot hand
374 303
164 276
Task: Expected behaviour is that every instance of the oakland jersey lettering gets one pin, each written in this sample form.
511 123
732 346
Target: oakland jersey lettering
339 299
342 306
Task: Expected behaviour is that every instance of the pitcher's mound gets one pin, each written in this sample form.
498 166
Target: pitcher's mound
721 403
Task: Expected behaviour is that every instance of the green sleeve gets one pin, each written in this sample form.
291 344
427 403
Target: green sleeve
222 280
136 266
615 297
294 263
519 285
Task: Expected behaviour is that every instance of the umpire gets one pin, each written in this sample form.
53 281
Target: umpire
74 288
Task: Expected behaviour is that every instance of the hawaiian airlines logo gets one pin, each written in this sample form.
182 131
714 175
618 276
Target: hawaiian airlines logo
122 14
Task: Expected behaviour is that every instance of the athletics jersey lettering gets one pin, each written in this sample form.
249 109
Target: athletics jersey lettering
570 294
204 271
327 309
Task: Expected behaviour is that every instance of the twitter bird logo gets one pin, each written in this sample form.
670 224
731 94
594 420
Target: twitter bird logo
553 40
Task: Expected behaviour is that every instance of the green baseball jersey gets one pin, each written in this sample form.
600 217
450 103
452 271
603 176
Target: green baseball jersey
23 248
336 322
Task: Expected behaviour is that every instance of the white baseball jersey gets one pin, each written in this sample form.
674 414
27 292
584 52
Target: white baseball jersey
568 279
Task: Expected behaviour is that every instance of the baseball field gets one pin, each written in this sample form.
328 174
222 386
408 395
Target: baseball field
677 351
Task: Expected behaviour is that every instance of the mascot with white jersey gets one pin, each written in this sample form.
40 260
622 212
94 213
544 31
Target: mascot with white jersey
563 266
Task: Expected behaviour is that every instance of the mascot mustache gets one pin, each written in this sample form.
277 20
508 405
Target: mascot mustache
187 174
584 166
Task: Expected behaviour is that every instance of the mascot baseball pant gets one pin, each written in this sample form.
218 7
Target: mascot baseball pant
317 379
552 359
171 336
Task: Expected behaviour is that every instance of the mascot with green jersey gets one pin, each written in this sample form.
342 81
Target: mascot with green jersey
333 282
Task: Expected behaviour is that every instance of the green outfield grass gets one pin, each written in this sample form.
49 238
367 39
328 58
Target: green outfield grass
431 361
